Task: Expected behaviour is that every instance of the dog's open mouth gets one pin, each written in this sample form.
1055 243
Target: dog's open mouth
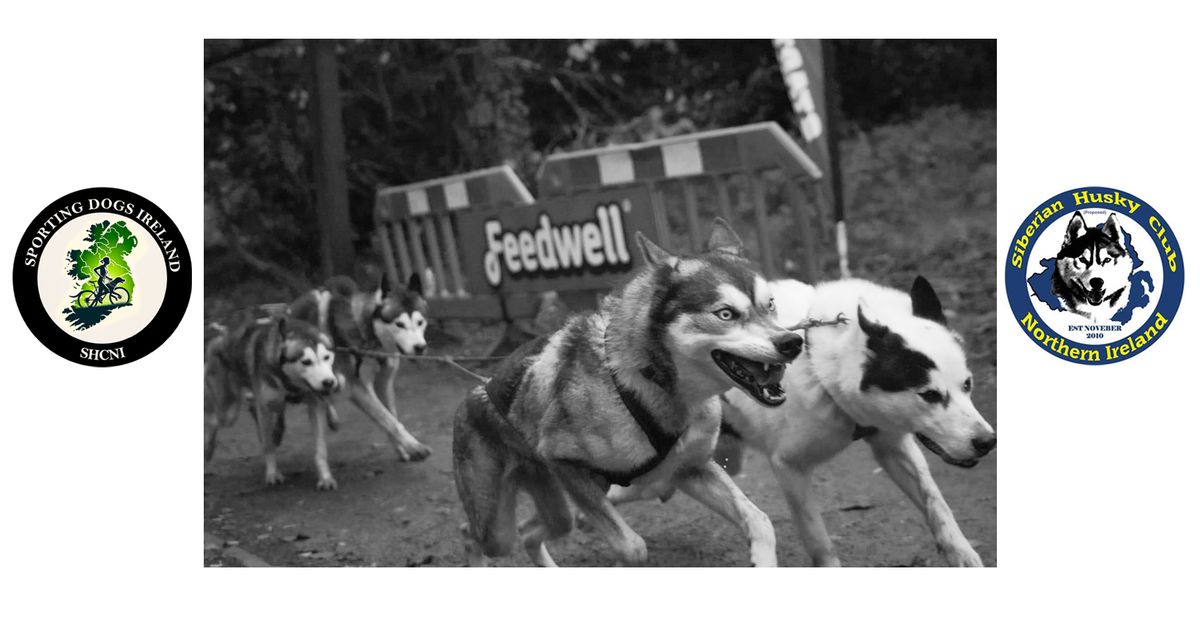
1093 297
941 453
760 379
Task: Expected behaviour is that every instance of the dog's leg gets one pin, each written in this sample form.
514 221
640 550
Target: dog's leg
899 455
634 492
483 475
266 414
385 383
588 495
711 486
475 557
806 514
210 435
409 448
551 519
222 404
325 481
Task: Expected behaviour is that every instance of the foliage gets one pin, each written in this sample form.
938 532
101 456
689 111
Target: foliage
419 109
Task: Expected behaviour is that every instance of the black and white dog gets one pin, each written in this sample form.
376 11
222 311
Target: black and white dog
895 376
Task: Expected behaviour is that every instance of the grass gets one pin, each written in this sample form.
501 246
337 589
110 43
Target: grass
921 199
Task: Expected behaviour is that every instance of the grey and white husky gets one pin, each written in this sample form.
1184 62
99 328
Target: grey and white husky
365 327
627 396
895 376
270 361
1091 274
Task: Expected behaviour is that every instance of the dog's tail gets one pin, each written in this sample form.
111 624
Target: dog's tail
341 285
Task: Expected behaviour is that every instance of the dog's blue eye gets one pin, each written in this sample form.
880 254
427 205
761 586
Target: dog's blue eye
726 314
931 396
967 385
307 362
401 325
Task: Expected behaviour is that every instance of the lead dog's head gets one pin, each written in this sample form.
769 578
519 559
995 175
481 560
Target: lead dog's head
306 356
915 379
709 321
399 319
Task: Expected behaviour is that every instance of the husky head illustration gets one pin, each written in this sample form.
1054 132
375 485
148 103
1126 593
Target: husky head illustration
399 320
703 324
1093 266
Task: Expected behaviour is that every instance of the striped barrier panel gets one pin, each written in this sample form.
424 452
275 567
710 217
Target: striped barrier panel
416 224
729 172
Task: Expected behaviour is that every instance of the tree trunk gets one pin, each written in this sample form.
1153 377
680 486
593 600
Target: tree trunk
329 159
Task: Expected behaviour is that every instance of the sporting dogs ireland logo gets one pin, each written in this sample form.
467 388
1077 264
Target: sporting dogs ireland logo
102 277
1094 275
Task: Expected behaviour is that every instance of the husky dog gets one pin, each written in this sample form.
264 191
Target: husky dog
627 395
896 376
1091 274
364 325
272 361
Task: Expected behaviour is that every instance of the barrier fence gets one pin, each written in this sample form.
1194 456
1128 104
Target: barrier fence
491 247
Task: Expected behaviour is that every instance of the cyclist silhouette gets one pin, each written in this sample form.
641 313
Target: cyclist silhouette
104 289
102 272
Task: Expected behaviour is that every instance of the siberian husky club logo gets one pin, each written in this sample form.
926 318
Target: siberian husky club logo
1094 275
102 276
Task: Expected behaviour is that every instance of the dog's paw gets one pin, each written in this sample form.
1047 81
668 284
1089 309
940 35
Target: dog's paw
412 452
273 477
962 557
633 551
327 483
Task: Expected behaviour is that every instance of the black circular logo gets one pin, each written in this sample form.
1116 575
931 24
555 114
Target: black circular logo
102 276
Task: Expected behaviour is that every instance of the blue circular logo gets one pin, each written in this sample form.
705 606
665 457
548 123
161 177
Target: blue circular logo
1094 275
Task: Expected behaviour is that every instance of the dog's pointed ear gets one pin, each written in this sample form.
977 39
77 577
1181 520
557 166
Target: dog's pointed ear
870 327
414 283
385 286
925 301
724 239
283 326
1075 228
1112 229
380 291
652 253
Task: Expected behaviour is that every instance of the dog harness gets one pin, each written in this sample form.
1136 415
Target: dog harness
661 440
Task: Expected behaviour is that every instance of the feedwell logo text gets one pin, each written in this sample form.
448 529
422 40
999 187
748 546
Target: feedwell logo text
549 250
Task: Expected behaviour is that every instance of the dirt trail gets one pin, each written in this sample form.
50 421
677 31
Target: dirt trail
387 513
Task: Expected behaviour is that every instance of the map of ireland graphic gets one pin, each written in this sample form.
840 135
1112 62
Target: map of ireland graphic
1141 284
103 279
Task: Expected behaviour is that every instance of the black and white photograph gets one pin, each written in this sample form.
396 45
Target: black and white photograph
599 302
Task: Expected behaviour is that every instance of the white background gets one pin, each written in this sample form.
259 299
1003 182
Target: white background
1097 490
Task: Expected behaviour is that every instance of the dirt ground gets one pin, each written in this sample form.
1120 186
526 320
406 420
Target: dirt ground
388 513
